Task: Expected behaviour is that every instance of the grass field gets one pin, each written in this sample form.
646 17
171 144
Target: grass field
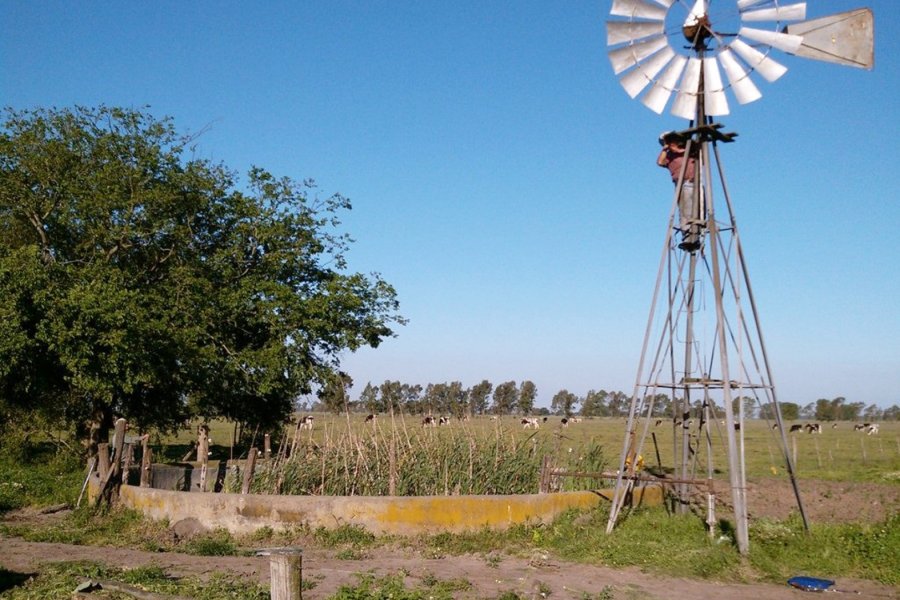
838 454
650 539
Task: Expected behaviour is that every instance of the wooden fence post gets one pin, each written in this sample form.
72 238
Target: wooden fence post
203 453
249 467
113 466
285 572
102 460
267 446
146 461
128 450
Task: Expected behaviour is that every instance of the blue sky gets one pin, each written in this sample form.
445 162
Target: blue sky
503 181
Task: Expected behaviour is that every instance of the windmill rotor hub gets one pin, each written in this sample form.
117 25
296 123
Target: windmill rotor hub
697 32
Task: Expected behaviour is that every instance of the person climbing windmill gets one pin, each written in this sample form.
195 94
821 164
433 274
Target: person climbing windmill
672 157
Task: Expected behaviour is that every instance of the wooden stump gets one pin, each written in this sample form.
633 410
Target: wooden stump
249 467
285 571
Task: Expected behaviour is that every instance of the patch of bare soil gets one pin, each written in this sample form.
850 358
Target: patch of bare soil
534 577
823 501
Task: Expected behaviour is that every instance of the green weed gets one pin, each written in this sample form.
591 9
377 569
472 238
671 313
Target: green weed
58 580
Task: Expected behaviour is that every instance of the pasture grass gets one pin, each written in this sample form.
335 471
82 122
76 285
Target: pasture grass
58 580
838 454
394 587
43 474
38 474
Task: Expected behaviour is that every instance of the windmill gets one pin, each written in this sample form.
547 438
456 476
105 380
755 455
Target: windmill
707 354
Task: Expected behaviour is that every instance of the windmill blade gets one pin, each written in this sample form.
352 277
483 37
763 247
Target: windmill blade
661 91
790 12
743 87
845 38
640 77
628 56
638 8
685 104
782 41
713 91
765 66
618 32
742 4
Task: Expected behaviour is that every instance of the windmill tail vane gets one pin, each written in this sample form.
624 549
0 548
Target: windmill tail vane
644 44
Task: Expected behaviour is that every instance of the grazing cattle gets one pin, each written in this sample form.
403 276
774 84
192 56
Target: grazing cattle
370 418
429 421
813 428
306 422
658 422
796 428
530 423
544 419
576 419
871 428
774 426
494 417
834 425
860 426
444 421
564 422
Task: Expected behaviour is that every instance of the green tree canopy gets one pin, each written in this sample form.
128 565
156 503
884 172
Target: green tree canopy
139 279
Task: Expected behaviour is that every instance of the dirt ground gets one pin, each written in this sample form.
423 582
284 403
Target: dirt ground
527 576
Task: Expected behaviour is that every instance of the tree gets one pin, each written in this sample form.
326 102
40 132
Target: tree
594 404
790 411
409 396
138 280
563 403
391 396
335 392
872 413
505 396
527 395
618 403
368 398
478 397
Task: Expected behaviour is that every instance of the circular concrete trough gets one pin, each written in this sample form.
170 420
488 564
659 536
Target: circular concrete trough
398 515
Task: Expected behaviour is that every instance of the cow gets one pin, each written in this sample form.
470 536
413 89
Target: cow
429 421
494 417
796 428
658 423
774 426
370 418
306 422
834 425
860 426
871 428
564 422
576 419
813 428
530 423
443 421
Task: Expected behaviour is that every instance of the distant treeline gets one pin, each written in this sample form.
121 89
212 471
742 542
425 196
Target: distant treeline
508 398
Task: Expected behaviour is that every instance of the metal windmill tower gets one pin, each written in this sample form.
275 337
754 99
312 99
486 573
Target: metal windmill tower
703 350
